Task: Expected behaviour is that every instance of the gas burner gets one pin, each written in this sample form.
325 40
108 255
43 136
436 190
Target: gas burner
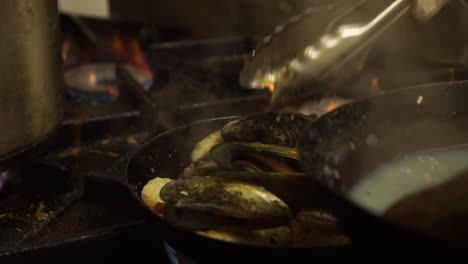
98 81
90 70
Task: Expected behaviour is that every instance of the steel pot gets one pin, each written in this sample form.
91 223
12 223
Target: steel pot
31 78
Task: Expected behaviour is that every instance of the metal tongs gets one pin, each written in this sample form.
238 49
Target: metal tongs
323 47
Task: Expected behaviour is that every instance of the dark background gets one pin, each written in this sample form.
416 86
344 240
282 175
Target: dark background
211 17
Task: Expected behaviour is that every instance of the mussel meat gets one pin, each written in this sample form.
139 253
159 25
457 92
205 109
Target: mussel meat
203 147
150 194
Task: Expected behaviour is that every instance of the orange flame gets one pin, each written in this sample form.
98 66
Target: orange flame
129 49
137 56
92 78
334 103
118 46
375 85
271 87
113 92
76 148
66 47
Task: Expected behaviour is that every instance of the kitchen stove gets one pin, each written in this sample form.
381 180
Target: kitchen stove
70 201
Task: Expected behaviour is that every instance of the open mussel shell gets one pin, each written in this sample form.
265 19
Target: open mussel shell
295 189
225 154
274 237
315 216
209 202
273 128
246 166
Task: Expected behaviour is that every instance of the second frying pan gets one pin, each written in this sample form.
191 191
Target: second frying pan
343 146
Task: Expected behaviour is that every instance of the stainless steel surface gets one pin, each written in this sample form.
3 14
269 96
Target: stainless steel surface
324 58
31 75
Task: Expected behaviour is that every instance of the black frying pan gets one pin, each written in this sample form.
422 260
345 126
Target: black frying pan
166 156
358 137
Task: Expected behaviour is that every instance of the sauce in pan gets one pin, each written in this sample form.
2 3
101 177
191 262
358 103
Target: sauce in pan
408 174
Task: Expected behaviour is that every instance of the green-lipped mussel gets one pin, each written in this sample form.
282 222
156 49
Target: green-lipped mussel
210 202
274 128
